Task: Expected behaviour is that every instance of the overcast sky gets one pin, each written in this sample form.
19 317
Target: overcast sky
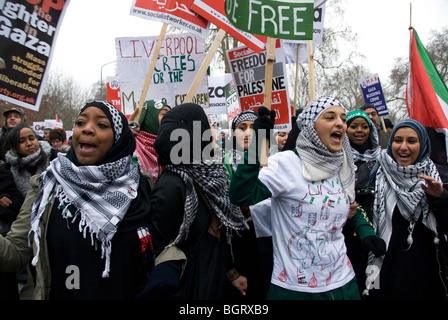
86 40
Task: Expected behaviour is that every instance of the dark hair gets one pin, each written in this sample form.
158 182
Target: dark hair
12 141
57 134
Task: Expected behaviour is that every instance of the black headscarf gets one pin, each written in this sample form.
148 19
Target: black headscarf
124 142
204 174
188 117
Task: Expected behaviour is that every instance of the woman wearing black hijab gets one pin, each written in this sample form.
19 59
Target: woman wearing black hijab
89 214
191 210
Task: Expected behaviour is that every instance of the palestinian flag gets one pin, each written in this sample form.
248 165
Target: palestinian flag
427 98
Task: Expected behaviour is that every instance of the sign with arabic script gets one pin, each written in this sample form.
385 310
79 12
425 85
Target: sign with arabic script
248 70
285 19
172 12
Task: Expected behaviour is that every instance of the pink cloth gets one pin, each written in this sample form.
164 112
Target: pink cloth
146 154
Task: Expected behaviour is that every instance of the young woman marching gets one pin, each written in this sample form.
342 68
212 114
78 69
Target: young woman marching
85 216
191 214
409 213
311 192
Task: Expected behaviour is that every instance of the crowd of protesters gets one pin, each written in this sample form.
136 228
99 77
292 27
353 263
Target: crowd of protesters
156 207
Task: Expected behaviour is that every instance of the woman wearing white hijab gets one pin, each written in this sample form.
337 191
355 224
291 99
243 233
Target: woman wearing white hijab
311 190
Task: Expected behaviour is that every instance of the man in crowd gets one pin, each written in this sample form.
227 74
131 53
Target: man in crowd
13 117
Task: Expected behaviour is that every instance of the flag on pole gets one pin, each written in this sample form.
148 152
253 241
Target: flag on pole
426 93
57 118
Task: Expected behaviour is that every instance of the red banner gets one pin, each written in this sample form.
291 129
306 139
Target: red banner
214 11
173 12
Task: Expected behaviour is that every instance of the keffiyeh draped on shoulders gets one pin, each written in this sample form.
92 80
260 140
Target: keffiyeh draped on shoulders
318 162
99 195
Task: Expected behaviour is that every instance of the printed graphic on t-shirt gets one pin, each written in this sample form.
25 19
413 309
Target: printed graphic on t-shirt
315 247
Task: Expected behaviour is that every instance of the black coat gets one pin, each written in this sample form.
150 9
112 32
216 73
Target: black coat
9 189
419 272
208 258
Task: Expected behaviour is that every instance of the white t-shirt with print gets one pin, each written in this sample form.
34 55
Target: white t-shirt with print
307 220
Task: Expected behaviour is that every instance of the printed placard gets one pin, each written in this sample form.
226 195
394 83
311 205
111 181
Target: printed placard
286 19
248 71
373 93
214 11
173 12
28 32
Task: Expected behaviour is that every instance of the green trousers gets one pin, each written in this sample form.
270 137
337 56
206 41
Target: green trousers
346 292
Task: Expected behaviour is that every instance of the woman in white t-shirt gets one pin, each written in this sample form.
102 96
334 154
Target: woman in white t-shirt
312 192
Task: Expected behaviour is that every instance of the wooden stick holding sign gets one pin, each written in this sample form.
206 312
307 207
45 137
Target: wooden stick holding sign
296 83
152 65
269 71
309 46
203 69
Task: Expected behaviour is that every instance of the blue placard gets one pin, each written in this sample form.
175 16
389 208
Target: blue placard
373 93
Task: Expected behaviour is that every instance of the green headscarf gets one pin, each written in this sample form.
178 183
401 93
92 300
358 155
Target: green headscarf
149 118
357 114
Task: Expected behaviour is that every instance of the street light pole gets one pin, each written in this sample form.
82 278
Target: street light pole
101 78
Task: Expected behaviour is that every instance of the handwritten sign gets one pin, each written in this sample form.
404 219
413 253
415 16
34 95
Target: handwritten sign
179 58
286 19
248 70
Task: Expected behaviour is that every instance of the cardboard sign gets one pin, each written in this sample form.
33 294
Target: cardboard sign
180 56
28 32
286 19
214 11
248 71
373 93
173 12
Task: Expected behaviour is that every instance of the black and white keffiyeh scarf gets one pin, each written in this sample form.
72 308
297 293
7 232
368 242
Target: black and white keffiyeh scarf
401 186
99 195
236 153
318 163
212 180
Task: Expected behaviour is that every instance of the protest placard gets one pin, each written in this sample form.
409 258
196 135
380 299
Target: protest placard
286 19
214 11
232 101
39 127
373 93
27 37
179 58
217 93
172 12
113 91
318 24
248 71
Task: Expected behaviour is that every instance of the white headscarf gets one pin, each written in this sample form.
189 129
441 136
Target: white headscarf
319 163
